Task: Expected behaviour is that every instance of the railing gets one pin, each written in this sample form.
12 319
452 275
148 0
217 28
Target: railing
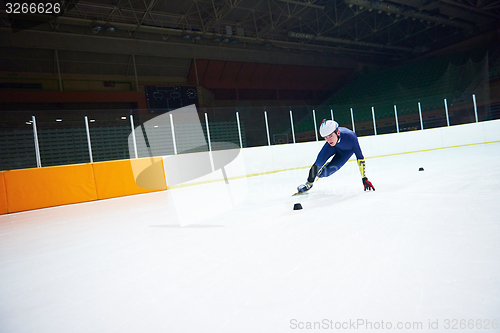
47 138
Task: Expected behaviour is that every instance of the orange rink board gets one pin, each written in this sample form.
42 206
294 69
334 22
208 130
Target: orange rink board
3 196
28 189
127 177
50 186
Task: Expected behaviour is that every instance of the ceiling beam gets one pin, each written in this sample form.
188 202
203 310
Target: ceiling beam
263 44
115 45
483 12
306 4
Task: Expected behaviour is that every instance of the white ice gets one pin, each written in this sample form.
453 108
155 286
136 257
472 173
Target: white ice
423 248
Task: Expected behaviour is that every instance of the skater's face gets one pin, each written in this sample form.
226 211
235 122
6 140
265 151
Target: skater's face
332 138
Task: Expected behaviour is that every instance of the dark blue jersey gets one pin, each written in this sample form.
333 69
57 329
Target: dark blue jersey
345 147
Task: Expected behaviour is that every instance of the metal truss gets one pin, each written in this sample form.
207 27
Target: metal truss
395 30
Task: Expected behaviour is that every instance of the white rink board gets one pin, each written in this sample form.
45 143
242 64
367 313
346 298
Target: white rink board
262 160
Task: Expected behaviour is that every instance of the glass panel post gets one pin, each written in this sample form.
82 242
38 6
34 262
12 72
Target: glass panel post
239 128
352 120
396 115
446 109
173 133
315 125
37 147
420 115
133 135
267 129
374 124
475 106
88 139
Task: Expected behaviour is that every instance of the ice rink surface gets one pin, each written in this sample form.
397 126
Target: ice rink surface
421 253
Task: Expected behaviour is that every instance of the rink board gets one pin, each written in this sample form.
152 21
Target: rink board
28 189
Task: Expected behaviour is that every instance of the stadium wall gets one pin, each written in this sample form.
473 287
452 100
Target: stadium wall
27 189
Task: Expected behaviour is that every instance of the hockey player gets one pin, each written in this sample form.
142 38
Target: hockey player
341 142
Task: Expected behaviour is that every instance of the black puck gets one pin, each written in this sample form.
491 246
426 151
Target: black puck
420 169
297 206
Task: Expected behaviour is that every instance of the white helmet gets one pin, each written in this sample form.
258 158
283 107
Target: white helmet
327 127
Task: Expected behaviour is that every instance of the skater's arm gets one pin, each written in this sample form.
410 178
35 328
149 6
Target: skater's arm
366 183
355 147
362 167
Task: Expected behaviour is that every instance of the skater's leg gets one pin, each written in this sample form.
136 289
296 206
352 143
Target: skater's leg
335 164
